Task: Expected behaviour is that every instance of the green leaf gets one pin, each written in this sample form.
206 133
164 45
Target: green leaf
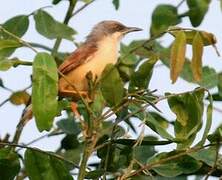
95 174
197 10
17 25
209 121
44 91
116 4
141 78
173 168
142 153
9 164
188 164
5 44
56 1
189 110
219 86
5 64
151 122
216 136
50 28
164 122
196 62
125 72
73 154
163 16
145 177
210 78
69 126
69 142
41 166
8 46
177 56
98 103
127 58
112 85
206 155
217 97
150 141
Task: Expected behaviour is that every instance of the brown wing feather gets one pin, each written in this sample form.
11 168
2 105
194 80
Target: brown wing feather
78 57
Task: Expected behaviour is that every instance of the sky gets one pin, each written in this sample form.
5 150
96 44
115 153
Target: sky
132 13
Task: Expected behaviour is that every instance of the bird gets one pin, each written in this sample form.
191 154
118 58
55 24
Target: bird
100 48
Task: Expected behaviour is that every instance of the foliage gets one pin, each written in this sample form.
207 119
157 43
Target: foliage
121 96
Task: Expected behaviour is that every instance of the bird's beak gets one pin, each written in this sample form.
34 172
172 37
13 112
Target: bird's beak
132 29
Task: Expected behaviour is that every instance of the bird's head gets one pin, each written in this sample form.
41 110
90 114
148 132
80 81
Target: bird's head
110 28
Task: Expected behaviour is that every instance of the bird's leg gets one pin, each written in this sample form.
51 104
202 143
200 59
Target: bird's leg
74 94
74 108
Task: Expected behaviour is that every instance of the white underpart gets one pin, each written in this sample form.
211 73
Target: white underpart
108 52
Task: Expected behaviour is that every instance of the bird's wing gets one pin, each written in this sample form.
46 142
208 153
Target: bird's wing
78 57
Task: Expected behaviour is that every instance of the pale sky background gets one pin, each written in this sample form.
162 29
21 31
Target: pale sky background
131 13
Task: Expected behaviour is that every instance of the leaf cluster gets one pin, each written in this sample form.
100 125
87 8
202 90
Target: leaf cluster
121 97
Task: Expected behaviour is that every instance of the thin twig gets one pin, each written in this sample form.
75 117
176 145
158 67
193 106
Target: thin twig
180 3
39 138
37 45
6 88
3 102
215 162
82 7
153 38
164 160
148 104
39 150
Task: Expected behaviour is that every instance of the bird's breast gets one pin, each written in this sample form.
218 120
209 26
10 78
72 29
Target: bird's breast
107 53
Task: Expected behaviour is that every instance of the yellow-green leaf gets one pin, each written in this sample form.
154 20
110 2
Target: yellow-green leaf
207 38
44 91
4 44
19 97
112 85
5 64
177 57
196 62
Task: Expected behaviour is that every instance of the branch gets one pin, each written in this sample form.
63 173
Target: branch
37 45
41 151
148 104
164 160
